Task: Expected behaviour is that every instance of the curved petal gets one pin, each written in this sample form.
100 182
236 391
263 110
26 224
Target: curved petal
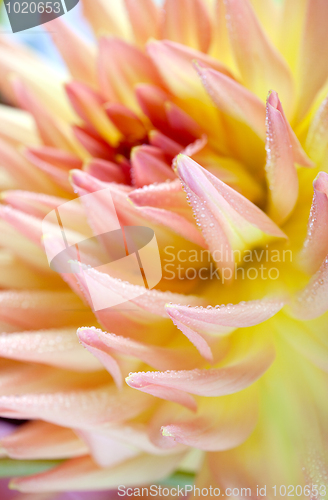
100 350
187 23
174 62
53 130
17 126
40 309
152 301
93 144
77 408
280 169
106 20
122 66
105 171
312 301
107 451
313 65
15 274
159 357
166 204
126 121
317 138
175 222
234 99
53 162
41 440
260 64
43 79
83 474
232 377
315 246
219 424
149 166
79 56
144 17
202 326
228 220
53 347
21 170
88 104
168 146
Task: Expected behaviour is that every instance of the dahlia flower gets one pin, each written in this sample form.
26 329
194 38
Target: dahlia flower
207 122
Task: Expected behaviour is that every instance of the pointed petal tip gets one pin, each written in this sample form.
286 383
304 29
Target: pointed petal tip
146 382
320 183
299 155
315 247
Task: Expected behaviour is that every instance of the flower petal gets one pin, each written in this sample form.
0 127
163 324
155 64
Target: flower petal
134 434
26 251
88 104
149 166
103 19
39 205
105 171
227 219
187 23
169 147
107 451
17 126
156 356
313 65
315 246
317 139
241 371
312 301
15 274
219 424
202 326
308 338
174 61
54 162
185 130
299 155
83 474
28 310
177 223
234 99
260 64
79 408
121 67
41 440
144 18
91 341
93 144
152 301
167 195
126 121
22 171
43 79
78 55
53 347
280 170
151 100
52 129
